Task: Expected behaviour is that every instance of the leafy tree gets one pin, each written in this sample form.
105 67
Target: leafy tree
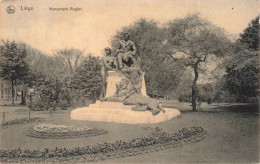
250 37
242 67
243 82
87 78
47 99
191 40
13 64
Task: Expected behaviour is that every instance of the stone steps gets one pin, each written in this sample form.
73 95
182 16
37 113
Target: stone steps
122 115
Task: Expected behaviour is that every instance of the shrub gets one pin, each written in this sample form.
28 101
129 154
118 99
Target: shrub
20 121
39 105
184 98
63 104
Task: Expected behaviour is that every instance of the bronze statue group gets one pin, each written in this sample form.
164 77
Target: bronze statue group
128 90
125 55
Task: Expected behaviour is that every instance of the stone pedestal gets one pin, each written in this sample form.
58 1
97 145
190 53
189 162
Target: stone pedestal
120 113
113 78
117 111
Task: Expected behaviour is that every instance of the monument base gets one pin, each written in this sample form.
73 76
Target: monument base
114 78
120 113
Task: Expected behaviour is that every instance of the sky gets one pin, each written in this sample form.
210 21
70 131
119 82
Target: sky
91 28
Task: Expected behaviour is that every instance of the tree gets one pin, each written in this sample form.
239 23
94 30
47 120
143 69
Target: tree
242 67
87 78
243 82
69 58
13 64
250 37
191 40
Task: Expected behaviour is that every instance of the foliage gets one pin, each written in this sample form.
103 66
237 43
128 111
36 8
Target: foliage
206 92
64 104
43 104
243 83
209 92
87 78
13 64
250 37
49 95
40 65
242 67
184 97
60 88
52 77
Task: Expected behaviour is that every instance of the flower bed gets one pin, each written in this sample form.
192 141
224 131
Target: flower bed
156 140
20 121
47 131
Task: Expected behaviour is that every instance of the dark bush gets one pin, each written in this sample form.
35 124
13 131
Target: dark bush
184 98
40 105
63 104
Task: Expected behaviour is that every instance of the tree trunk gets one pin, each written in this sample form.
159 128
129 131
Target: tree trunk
93 98
12 81
16 98
23 95
194 87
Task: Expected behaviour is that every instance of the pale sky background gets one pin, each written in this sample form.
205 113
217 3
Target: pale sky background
92 28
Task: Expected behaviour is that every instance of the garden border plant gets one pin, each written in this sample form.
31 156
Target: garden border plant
155 141
20 121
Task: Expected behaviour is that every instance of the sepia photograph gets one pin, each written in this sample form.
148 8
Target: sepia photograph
129 81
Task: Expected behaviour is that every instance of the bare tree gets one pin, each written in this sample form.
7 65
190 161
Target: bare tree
69 58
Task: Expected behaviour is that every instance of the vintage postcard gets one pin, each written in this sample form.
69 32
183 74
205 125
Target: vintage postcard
120 81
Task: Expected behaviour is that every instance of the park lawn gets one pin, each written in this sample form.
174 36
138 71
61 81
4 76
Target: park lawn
232 136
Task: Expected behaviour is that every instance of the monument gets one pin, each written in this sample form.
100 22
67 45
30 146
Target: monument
123 98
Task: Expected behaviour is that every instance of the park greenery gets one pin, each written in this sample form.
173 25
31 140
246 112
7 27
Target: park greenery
242 70
173 57
13 64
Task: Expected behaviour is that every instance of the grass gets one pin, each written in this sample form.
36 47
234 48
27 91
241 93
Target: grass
233 134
